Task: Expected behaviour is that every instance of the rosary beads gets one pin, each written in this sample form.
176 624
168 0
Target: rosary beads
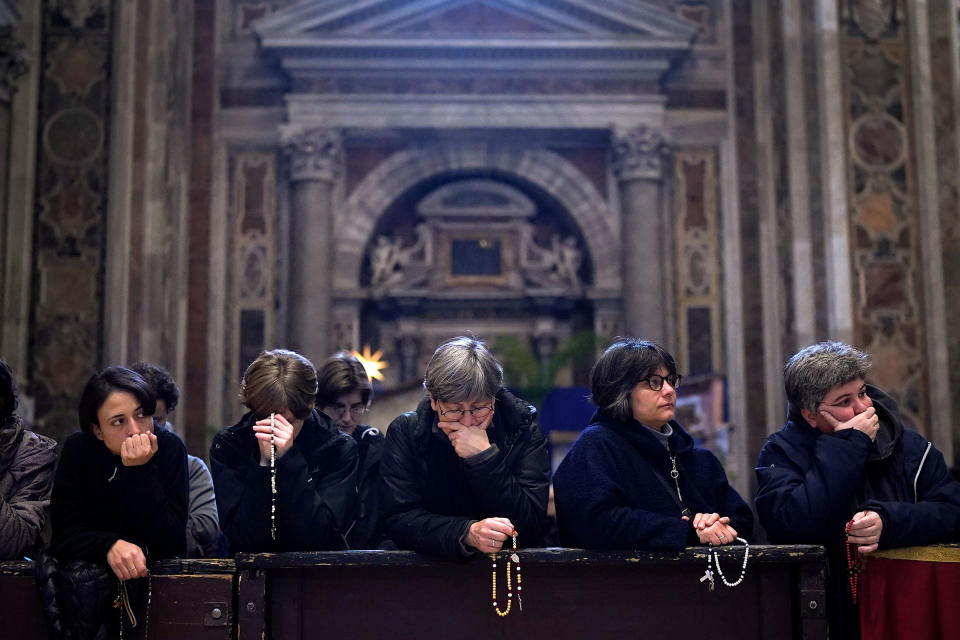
273 482
515 559
853 567
714 560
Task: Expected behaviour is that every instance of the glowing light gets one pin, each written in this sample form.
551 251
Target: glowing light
372 362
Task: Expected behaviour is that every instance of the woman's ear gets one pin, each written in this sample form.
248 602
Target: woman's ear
809 417
433 403
97 431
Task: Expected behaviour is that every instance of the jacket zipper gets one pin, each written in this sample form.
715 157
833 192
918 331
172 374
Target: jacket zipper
675 474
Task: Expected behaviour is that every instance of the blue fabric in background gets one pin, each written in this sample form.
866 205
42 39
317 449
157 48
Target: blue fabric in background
566 409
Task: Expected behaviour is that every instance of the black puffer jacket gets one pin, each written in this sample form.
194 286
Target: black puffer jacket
431 496
367 530
316 488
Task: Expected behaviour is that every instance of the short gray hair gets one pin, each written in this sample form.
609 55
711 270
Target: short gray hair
813 371
462 369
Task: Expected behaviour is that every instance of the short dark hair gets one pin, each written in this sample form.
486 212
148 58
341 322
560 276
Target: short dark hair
277 381
8 393
618 370
102 384
340 374
812 372
160 381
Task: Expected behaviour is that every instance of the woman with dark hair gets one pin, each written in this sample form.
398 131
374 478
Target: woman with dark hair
467 470
121 490
634 479
344 393
285 478
26 474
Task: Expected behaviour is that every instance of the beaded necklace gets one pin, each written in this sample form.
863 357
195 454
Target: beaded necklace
713 560
515 559
273 481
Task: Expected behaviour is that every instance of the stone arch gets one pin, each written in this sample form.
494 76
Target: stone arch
549 171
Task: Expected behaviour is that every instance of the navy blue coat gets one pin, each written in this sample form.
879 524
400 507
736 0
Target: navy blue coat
810 484
613 490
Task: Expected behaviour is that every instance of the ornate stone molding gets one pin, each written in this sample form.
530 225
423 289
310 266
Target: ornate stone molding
638 153
314 153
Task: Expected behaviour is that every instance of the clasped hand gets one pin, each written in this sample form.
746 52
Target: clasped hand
282 433
138 449
489 534
466 441
713 529
864 529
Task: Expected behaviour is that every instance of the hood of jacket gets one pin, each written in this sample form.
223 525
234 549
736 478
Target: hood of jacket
511 418
890 433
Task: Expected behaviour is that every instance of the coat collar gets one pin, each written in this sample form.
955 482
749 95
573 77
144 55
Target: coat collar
643 438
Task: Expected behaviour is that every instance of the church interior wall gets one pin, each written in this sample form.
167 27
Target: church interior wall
826 147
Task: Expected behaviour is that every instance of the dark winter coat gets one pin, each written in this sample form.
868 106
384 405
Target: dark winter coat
97 500
810 484
430 495
367 530
613 489
316 488
26 478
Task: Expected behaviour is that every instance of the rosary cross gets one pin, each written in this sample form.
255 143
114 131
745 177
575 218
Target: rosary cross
708 575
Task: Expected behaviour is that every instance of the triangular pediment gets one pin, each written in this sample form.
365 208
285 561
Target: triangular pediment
373 19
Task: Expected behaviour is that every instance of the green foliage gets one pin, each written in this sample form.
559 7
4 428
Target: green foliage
529 376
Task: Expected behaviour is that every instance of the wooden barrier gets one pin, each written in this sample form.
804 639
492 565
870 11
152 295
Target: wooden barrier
567 593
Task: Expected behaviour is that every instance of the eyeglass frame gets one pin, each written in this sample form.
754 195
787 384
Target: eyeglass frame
649 380
492 408
339 411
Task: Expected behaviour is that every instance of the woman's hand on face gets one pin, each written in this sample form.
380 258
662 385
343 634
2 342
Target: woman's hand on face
868 422
138 449
282 436
127 560
488 535
466 441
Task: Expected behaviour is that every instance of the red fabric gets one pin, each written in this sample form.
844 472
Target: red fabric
909 599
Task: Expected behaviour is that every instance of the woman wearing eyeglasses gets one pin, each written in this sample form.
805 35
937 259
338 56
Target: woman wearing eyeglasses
469 467
344 393
634 479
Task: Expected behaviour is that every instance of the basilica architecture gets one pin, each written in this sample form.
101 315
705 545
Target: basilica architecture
191 181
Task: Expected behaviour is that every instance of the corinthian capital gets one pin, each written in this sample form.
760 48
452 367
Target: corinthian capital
638 153
314 153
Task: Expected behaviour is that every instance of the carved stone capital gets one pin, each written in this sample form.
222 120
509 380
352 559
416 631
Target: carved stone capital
314 153
638 153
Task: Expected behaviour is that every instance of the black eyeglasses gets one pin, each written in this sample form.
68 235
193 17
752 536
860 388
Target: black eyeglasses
656 381
478 414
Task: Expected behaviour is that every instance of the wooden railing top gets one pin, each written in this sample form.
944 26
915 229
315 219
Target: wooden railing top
763 554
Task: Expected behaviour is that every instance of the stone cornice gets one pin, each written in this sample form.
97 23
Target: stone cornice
638 153
314 153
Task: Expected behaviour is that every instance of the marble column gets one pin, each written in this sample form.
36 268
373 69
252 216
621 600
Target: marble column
315 157
638 156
